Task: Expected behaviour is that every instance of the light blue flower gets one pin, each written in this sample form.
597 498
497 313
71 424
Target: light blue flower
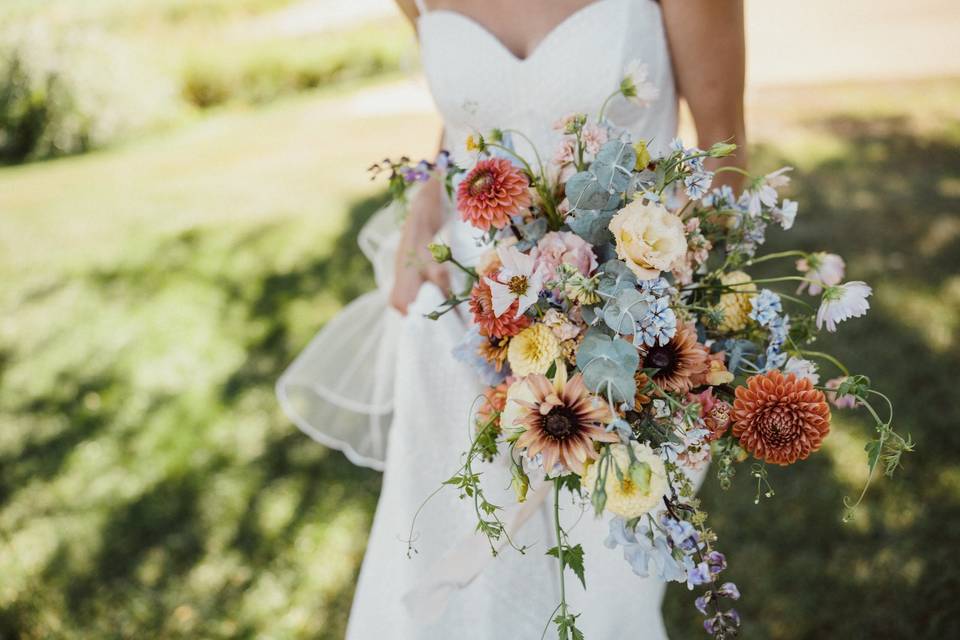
467 353
698 183
658 325
656 287
766 307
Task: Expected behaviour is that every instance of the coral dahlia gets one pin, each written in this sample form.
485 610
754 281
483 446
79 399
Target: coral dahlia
562 421
780 419
491 326
493 191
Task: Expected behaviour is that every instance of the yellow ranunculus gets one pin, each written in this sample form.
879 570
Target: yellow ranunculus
735 305
639 485
649 238
533 350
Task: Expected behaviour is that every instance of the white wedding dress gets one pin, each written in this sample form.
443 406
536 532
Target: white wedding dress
402 367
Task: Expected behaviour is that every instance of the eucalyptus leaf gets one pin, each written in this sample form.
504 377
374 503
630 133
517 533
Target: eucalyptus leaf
616 278
614 164
606 376
622 313
531 233
584 191
608 365
592 225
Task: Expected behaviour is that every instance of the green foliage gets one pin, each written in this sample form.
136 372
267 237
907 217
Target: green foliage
572 559
64 92
255 71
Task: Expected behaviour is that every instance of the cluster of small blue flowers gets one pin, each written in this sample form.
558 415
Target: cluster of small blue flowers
696 179
767 311
658 324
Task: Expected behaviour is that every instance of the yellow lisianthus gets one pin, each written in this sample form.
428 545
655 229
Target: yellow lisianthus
533 350
633 487
735 305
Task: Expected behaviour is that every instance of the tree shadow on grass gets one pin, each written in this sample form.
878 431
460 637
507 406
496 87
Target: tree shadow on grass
149 543
891 573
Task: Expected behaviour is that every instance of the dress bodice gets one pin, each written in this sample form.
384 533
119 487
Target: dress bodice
478 84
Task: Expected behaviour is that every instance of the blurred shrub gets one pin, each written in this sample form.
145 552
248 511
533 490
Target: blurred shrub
66 91
259 71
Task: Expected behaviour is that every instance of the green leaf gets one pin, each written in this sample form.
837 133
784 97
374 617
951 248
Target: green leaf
584 191
592 225
625 311
614 165
572 559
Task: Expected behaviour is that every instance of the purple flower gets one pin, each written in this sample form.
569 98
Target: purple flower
729 590
702 602
699 574
717 561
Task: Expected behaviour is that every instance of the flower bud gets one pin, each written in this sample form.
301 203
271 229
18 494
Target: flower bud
440 252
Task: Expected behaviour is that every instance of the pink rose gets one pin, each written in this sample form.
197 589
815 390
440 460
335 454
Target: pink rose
559 247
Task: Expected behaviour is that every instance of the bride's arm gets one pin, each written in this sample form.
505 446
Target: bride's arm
707 46
414 264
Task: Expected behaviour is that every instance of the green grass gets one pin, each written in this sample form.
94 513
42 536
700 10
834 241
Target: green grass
150 487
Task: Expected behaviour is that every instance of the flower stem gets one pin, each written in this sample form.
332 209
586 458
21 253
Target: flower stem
559 532
773 256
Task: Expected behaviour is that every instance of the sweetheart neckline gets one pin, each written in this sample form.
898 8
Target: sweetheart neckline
563 24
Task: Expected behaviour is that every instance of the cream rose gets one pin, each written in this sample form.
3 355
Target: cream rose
649 238
512 410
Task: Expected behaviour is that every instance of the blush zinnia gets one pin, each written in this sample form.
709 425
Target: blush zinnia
493 191
780 419
489 325
562 422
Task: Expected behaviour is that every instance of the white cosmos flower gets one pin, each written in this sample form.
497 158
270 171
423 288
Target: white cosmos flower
516 281
786 213
636 84
825 269
843 302
802 368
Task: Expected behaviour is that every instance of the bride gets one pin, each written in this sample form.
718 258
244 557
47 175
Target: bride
509 64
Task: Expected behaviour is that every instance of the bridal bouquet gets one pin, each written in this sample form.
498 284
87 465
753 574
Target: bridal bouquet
625 344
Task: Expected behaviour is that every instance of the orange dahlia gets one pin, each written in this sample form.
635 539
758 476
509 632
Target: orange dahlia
493 191
562 421
494 401
780 419
508 324
680 363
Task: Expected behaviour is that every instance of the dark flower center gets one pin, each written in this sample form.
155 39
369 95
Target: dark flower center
560 423
661 358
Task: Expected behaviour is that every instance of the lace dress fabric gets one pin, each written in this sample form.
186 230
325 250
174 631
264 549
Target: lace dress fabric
451 587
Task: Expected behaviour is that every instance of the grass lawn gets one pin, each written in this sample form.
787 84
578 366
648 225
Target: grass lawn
150 487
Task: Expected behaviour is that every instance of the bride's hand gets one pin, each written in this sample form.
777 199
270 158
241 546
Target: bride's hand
414 264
